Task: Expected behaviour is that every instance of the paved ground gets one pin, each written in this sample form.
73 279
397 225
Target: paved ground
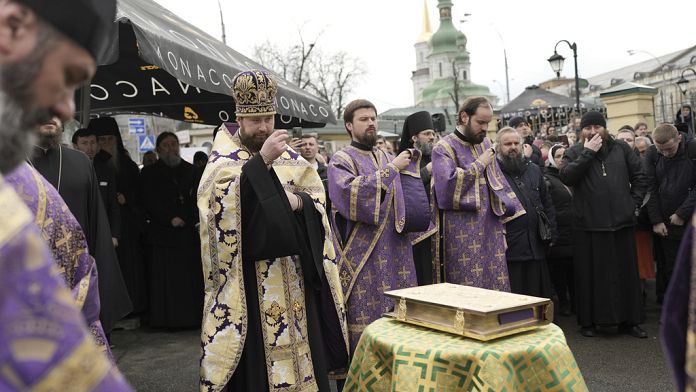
161 361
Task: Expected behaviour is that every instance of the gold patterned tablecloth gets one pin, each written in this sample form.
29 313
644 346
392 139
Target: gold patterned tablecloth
394 356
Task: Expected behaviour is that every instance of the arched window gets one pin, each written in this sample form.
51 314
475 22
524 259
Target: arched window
464 74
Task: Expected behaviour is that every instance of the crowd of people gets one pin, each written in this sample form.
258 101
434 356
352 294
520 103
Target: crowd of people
286 254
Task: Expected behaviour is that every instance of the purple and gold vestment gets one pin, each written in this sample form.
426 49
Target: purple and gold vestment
367 219
44 343
64 237
473 203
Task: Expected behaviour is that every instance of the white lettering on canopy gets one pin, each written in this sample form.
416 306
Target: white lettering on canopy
284 103
172 60
156 89
323 111
227 80
185 68
304 111
200 73
185 87
295 105
312 110
131 85
210 76
223 115
99 98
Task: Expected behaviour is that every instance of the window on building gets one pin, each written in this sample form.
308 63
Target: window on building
440 66
464 74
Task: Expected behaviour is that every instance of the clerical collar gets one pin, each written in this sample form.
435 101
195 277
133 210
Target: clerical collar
360 146
462 136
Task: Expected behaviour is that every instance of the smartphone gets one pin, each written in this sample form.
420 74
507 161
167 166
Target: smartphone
296 132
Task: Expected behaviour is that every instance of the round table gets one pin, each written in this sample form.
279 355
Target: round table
395 356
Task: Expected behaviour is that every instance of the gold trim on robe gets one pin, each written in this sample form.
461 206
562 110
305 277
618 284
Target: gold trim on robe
280 283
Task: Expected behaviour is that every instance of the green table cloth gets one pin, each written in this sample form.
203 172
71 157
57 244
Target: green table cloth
395 356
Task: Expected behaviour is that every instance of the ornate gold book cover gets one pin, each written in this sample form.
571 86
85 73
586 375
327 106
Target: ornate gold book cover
470 311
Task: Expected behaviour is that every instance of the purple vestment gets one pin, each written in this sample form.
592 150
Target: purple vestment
367 219
67 243
44 343
473 203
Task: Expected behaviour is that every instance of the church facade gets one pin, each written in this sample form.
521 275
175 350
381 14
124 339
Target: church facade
443 65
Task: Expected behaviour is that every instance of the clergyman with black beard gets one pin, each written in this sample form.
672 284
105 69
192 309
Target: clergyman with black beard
525 255
419 133
176 276
473 202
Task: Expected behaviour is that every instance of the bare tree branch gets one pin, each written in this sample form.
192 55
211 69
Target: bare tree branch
331 76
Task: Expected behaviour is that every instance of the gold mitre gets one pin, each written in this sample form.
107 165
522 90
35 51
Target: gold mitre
254 93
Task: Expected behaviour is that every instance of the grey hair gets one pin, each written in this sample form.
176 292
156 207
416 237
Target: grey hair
643 139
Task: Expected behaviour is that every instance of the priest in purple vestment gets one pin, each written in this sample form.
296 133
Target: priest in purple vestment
67 243
44 342
474 201
678 316
367 214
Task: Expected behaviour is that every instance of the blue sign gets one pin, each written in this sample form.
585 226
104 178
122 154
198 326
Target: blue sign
146 143
136 126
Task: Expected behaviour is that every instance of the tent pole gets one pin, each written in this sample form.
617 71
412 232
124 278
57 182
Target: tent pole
85 103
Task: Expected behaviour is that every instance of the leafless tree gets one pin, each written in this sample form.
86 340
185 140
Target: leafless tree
330 75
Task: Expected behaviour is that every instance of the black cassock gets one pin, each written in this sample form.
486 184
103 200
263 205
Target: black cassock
130 248
71 172
270 229
106 176
175 273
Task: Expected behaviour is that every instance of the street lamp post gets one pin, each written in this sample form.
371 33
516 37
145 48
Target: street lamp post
683 85
631 52
556 61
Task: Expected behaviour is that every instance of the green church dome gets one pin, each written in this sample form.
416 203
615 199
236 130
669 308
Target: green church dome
441 89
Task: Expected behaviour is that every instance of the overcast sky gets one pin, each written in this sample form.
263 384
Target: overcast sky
382 33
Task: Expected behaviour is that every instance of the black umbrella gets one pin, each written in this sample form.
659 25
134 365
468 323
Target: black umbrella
160 64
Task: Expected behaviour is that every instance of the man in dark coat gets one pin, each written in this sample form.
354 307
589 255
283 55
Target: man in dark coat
525 254
609 186
176 276
85 140
672 185
528 148
130 250
72 174
419 133
684 118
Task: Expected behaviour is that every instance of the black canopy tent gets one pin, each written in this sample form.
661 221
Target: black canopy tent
161 65
538 106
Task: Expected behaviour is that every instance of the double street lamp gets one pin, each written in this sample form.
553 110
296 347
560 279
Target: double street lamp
556 61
